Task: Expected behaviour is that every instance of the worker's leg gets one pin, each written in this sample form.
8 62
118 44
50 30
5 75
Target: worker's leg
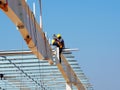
60 58
60 51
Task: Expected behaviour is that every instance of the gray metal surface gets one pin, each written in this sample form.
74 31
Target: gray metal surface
26 72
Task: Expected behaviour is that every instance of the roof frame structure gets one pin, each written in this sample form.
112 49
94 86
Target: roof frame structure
49 75
24 19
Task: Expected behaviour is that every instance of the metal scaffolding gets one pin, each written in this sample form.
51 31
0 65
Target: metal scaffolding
25 72
21 69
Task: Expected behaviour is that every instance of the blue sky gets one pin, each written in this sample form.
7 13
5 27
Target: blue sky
93 26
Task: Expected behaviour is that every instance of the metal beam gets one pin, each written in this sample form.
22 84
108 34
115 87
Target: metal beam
22 52
21 15
68 73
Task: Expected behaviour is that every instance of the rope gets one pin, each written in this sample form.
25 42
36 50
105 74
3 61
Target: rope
36 44
40 70
40 5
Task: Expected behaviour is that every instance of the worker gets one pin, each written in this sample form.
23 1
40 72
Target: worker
1 76
58 42
61 40
62 43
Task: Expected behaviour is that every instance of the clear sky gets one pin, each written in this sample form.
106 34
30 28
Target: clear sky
93 26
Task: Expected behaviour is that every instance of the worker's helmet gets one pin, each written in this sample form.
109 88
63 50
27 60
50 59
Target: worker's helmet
53 41
58 35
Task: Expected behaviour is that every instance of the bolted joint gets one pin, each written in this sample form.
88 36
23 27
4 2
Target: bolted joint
4 6
27 39
20 26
